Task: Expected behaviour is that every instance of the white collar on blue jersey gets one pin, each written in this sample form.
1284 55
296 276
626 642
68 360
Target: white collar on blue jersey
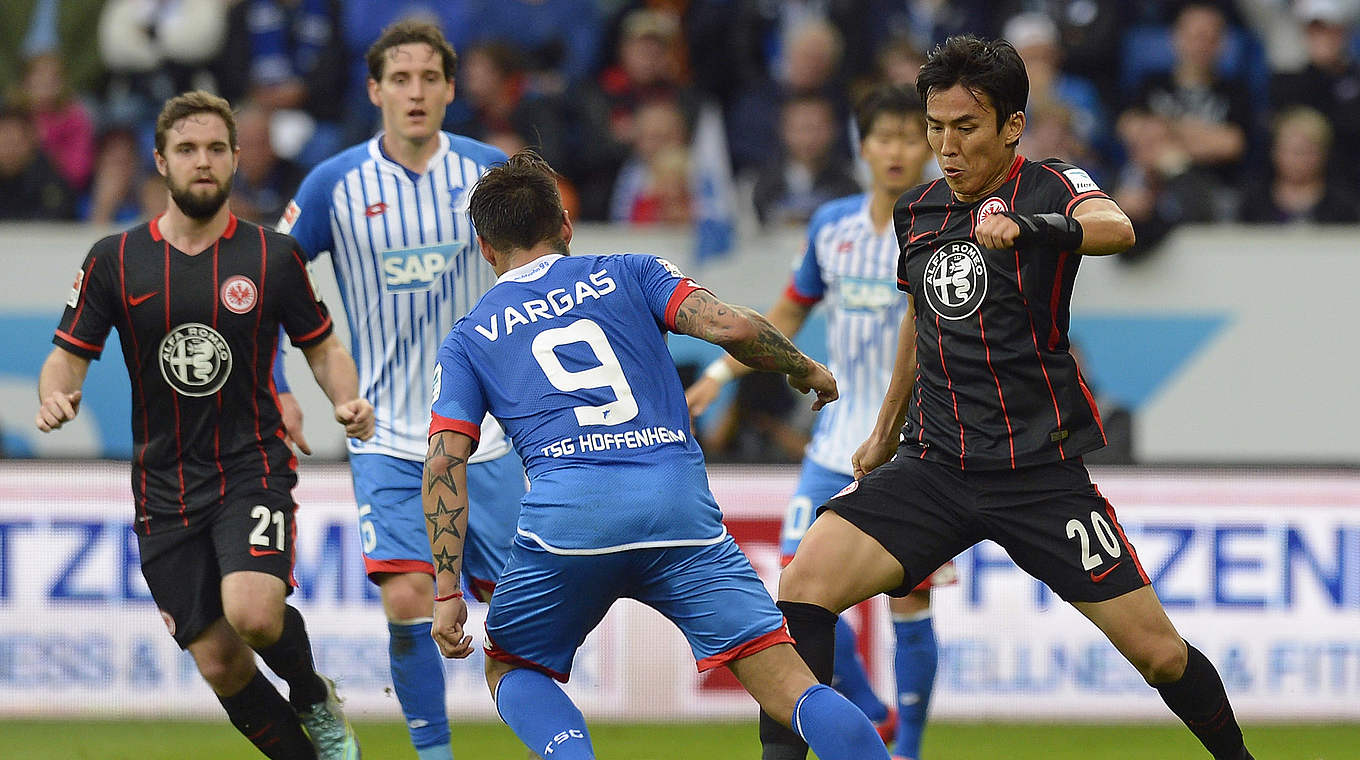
531 271
376 152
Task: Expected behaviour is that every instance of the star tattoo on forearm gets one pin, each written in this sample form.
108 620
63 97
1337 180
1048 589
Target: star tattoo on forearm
442 520
446 477
444 561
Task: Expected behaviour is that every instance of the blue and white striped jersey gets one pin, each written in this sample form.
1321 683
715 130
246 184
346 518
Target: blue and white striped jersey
569 353
853 267
408 267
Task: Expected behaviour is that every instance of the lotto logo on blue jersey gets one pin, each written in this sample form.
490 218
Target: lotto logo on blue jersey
418 268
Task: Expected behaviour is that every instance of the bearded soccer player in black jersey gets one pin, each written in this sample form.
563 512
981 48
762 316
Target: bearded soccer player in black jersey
996 413
198 297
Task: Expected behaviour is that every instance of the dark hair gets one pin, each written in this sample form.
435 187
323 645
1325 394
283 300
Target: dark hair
516 204
991 67
886 98
405 33
188 104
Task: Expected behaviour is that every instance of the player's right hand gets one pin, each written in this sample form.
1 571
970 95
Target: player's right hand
58 408
357 417
447 630
701 394
872 453
817 379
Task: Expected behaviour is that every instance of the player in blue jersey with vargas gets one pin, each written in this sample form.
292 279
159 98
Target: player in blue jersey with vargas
569 353
392 212
851 265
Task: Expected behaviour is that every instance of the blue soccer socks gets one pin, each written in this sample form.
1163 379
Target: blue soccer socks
834 728
418 678
543 716
914 664
850 678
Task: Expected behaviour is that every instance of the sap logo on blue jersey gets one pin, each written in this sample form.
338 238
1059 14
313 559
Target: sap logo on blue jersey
863 294
418 268
559 301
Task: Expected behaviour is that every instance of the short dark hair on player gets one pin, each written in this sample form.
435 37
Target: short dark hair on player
408 32
991 67
886 98
188 104
516 204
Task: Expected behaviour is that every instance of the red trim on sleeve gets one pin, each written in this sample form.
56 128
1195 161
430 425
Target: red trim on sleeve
791 292
400 566
681 292
496 653
442 424
1086 196
762 642
314 333
77 342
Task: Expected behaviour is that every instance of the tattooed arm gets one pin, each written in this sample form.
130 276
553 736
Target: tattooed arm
752 340
444 499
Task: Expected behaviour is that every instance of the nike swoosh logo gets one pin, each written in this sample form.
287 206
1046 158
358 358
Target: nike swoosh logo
1098 578
263 552
914 238
139 300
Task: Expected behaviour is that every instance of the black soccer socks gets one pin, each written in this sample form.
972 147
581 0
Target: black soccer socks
813 629
291 659
1200 700
264 717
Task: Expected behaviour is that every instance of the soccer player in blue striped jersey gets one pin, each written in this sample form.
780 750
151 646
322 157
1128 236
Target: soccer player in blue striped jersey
392 212
851 264
569 353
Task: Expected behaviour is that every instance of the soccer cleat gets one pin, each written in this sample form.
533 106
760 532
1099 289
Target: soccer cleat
329 729
887 728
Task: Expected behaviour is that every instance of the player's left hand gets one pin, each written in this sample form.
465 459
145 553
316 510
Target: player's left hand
447 630
997 232
818 379
291 411
357 417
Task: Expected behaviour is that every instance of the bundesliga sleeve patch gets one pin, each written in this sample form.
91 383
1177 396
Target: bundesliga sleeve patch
74 297
1081 181
669 267
289 218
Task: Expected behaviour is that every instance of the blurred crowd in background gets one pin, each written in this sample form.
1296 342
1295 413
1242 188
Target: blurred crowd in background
679 112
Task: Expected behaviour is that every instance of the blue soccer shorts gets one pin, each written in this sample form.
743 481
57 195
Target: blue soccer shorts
546 603
816 486
392 520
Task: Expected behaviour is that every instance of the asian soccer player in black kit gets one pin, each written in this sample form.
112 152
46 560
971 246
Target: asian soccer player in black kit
198 297
982 430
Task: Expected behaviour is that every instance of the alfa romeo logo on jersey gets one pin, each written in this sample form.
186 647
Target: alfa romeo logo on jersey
956 279
239 294
195 359
992 205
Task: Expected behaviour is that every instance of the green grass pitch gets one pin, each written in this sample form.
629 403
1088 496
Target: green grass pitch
148 740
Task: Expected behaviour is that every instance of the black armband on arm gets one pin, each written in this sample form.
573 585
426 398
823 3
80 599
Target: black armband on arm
1050 230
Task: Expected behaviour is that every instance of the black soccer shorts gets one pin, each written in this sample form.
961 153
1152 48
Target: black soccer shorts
1050 518
184 564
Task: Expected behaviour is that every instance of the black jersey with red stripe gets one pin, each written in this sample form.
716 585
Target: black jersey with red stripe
199 334
996 386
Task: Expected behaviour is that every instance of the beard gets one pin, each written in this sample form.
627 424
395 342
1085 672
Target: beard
195 206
